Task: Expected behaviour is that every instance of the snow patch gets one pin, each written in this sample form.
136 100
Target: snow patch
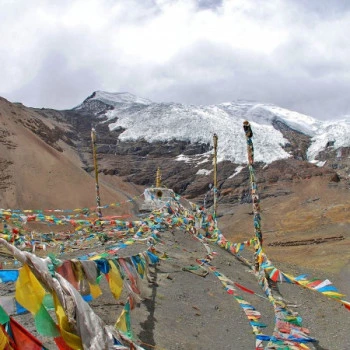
205 160
237 171
319 163
183 158
204 172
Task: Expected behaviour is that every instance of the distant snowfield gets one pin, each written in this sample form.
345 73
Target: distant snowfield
166 121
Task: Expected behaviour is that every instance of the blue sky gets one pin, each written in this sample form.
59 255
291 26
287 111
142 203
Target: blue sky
294 53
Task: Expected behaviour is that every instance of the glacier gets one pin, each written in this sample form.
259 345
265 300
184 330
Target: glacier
141 118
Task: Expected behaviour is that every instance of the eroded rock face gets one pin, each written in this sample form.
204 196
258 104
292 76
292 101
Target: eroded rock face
336 159
298 142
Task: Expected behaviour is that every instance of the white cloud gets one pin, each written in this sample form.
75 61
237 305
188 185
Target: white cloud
290 52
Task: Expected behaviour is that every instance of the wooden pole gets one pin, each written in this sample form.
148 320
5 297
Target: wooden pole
94 155
158 178
254 192
215 141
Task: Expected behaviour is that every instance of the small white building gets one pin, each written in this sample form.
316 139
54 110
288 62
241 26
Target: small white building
156 197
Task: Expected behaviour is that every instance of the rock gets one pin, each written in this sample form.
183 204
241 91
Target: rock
334 178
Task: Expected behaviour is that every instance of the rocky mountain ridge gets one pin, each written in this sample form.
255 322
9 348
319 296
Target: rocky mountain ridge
135 136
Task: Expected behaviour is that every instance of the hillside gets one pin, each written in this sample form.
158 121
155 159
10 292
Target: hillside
46 163
40 168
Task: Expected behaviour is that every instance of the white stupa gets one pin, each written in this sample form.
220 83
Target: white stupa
156 197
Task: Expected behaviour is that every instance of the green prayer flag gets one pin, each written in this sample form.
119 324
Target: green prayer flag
44 323
4 317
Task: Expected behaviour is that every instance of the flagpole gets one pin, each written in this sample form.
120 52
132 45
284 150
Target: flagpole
94 155
158 178
254 192
215 141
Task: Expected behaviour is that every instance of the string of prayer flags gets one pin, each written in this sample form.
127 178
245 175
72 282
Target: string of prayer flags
291 336
288 330
252 314
274 274
85 211
79 326
324 287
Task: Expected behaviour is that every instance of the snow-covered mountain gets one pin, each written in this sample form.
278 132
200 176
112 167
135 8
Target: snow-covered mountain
135 136
114 99
139 118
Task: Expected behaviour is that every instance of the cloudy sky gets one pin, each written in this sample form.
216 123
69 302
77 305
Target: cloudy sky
294 53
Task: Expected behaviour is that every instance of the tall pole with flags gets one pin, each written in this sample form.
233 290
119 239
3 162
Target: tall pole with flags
215 187
94 156
254 192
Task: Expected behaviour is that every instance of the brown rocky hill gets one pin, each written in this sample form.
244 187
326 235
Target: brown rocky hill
39 165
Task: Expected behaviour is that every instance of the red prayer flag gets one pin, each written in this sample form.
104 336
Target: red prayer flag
244 288
23 339
61 344
347 306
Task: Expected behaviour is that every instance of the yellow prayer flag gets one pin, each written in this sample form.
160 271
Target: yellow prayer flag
67 331
4 341
95 290
115 280
121 322
29 292
334 294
